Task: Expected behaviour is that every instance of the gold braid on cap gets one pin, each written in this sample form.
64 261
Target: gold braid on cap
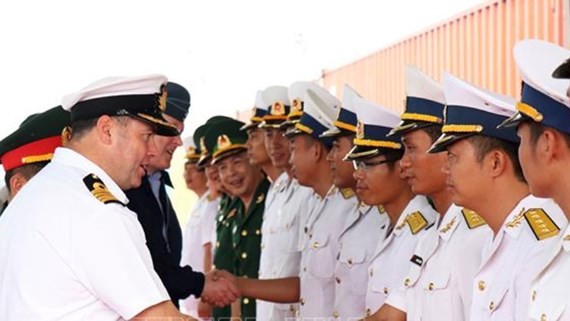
462 129
530 111
420 117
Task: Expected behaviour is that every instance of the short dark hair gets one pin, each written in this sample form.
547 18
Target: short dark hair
392 154
484 145
433 131
537 129
28 171
80 127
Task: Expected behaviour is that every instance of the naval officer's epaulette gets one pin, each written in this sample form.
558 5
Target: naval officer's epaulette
472 219
416 222
540 223
99 190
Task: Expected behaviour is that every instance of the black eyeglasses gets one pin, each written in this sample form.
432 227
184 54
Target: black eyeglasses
364 165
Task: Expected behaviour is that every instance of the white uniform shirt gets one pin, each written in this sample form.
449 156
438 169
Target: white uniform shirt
199 230
502 284
443 267
280 253
65 255
387 271
320 246
364 228
549 300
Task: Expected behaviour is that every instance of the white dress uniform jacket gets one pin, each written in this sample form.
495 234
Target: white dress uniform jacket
387 271
364 228
502 284
320 247
443 267
200 230
549 298
69 250
285 211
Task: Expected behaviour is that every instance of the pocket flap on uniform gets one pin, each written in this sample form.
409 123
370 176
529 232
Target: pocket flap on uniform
352 256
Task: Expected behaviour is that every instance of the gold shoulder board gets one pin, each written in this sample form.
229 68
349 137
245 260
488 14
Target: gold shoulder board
472 219
540 223
99 190
416 222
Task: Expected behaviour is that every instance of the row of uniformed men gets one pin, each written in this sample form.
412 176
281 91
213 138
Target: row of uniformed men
360 220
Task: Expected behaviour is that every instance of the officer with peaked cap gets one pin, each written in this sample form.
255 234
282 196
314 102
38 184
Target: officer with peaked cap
28 149
71 223
453 249
286 205
365 225
544 131
377 171
319 245
200 227
523 225
157 216
248 184
256 142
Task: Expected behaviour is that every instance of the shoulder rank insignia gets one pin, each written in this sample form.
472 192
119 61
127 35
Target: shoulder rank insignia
416 222
347 193
472 219
99 190
260 199
540 223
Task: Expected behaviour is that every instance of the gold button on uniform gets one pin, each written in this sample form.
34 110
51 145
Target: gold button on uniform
245 301
349 262
368 312
316 245
430 286
244 255
481 285
218 244
337 280
302 301
543 317
385 290
335 314
534 295
407 281
257 232
244 233
371 272
492 306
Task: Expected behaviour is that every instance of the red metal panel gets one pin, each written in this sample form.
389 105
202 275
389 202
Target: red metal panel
475 45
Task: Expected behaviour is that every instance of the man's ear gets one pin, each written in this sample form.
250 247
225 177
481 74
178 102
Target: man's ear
17 181
497 162
105 126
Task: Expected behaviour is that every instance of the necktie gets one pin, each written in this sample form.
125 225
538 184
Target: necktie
165 208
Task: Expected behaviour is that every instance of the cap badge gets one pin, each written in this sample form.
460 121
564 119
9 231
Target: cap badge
360 130
277 109
203 146
162 97
224 142
297 105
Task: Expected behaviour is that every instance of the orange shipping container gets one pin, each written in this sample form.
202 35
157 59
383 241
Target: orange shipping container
475 46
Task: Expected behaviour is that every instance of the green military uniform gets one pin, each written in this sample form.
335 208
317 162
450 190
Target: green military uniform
239 226
246 237
223 251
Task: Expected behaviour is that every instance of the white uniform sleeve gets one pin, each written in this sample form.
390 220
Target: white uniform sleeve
208 222
112 260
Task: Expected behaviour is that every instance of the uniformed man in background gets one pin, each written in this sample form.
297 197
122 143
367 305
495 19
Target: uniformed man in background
248 184
524 226
28 149
365 225
542 119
